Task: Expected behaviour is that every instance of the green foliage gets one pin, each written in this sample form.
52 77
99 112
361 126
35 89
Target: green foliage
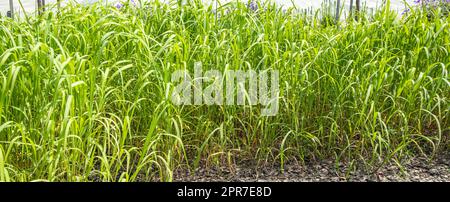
83 90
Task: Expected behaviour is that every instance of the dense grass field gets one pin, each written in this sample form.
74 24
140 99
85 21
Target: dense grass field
83 91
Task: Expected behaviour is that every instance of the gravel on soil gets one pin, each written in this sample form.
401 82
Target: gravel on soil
414 170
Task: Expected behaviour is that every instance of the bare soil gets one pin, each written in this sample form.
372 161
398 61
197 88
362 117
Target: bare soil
414 170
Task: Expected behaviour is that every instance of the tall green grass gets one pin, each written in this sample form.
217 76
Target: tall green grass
83 90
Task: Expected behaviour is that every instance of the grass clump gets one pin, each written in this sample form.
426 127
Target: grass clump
83 90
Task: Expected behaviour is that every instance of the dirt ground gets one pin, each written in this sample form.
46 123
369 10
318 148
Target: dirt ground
414 170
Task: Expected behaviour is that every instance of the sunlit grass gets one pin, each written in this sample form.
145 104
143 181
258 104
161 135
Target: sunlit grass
83 90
